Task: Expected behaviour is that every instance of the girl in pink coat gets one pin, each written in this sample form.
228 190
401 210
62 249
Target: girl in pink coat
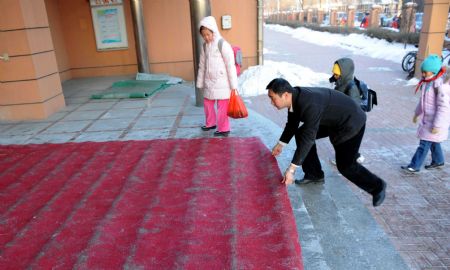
433 113
217 76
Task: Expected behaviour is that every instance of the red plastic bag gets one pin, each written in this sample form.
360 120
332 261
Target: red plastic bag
236 107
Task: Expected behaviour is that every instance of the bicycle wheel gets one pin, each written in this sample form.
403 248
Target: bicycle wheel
446 60
409 61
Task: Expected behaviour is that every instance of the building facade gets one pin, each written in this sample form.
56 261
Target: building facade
45 42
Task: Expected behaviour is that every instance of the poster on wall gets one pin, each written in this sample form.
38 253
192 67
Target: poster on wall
109 27
105 2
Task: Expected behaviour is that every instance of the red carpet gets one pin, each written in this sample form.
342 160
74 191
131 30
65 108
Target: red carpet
161 204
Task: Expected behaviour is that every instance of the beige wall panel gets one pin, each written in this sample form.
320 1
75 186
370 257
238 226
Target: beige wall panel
104 71
54 105
79 37
57 33
49 87
14 42
40 40
434 41
17 68
34 13
19 92
28 67
45 64
29 41
11 15
183 70
249 61
244 23
65 75
168 29
438 15
30 91
32 111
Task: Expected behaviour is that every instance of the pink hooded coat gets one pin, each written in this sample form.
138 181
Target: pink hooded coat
216 70
434 109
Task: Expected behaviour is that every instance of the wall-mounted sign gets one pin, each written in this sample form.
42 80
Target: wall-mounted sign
226 22
105 2
109 27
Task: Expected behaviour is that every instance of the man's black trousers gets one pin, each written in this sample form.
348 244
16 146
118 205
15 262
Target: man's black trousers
346 155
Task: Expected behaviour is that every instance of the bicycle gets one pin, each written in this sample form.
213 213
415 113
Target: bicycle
446 57
409 60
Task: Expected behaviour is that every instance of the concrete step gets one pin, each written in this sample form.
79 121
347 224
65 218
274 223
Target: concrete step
349 235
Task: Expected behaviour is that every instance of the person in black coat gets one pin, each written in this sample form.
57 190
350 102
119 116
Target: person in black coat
324 113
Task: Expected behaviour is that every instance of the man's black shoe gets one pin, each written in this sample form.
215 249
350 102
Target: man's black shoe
205 128
434 165
308 179
379 198
221 133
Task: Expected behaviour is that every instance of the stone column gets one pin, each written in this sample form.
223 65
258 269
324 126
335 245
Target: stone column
374 17
320 16
30 85
199 9
292 16
333 17
301 16
309 16
351 16
433 30
408 20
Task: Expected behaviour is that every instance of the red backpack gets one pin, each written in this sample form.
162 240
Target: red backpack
237 55
237 59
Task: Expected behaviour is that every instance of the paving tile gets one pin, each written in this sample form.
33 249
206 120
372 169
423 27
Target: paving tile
167 102
126 103
191 110
5 126
67 127
76 100
16 139
154 122
27 128
195 132
148 134
192 121
100 136
109 124
97 105
83 115
129 113
52 138
159 111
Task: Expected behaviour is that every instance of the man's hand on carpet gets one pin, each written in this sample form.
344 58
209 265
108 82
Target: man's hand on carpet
277 149
288 177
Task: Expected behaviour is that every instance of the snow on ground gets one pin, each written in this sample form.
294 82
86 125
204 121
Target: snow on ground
357 43
413 81
254 80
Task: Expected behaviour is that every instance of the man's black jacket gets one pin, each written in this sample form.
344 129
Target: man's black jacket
337 115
